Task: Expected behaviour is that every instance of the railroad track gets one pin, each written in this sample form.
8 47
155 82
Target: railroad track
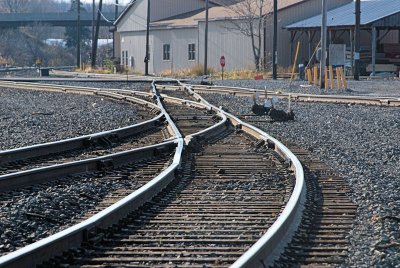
42 162
363 100
117 169
94 147
175 91
321 239
36 211
200 215
209 215
231 140
196 219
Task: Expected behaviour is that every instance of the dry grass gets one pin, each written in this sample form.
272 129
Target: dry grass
4 61
196 70
245 74
89 69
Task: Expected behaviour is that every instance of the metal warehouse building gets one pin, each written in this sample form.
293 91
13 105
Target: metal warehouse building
177 34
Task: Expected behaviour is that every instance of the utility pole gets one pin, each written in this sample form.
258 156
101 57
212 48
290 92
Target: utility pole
274 44
147 57
323 44
116 9
96 35
206 41
113 32
93 20
265 53
357 41
78 32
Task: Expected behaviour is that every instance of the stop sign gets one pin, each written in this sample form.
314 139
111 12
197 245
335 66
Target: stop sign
222 61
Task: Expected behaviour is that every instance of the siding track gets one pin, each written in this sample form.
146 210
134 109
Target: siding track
101 147
228 199
322 238
377 101
210 215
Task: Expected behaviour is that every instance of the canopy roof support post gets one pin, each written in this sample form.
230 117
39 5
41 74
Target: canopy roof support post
352 49
323 44
357 39
374 32
292 37
398 36
310 35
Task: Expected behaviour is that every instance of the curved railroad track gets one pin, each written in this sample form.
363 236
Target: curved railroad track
237 91
235 197
322 237
109 160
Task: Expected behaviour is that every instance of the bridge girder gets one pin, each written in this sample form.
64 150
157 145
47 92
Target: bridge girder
64 19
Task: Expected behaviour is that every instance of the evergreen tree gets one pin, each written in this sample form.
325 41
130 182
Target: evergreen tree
71 37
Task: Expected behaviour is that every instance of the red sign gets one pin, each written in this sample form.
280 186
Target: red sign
222 61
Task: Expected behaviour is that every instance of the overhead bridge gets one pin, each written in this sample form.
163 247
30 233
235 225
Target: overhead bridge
64 19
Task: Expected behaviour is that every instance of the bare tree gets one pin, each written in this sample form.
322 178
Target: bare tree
42 6
22 6
248 17
13 6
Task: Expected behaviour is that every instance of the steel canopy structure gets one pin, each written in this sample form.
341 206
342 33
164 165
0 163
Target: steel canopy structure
377 13
378 17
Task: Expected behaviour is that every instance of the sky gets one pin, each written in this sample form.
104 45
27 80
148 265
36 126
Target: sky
106 1
123 2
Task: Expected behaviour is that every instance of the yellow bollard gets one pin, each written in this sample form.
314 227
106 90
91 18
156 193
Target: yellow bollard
309 76
344 81
331 77
315 75
338 78
326 77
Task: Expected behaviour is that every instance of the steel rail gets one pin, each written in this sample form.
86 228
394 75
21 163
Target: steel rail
343 99
268 248
79 90
203 134
51 246
112 76
208 132
72 237
82 141
28 177
75 143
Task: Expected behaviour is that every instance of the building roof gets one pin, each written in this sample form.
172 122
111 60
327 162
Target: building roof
343 16
132 3
221 12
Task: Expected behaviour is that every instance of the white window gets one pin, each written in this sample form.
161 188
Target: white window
191 51
166 52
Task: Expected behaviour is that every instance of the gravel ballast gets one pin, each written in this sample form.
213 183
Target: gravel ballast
362 144
32 117
371 88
